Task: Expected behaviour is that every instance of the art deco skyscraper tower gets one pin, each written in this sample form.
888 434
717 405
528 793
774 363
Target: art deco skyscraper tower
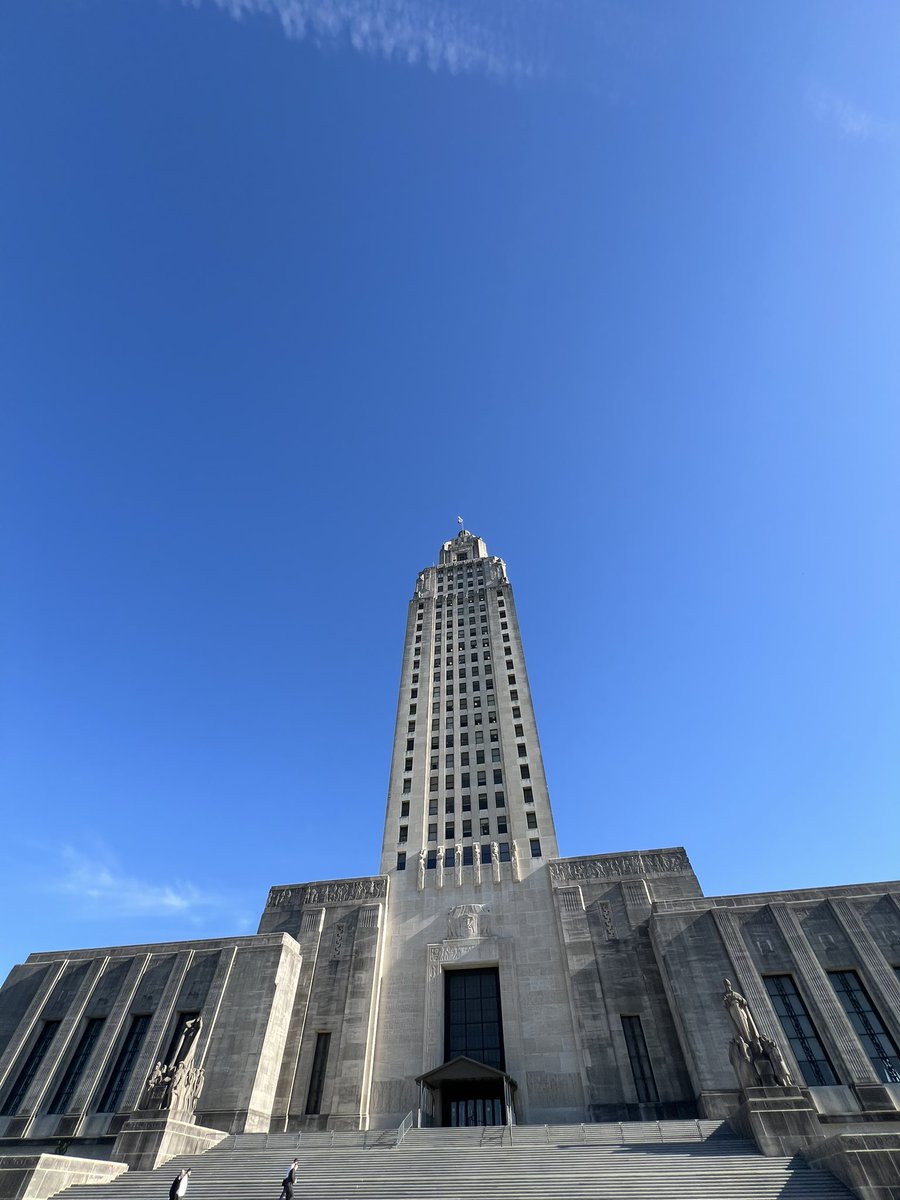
467 786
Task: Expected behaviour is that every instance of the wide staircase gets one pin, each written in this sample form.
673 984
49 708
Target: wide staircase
681 1160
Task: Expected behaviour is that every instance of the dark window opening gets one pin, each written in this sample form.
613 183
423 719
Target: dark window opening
867 1025
317 1078
641 1068
112 1094
77 1063
180 1026
29 1068
472 1018
812 1059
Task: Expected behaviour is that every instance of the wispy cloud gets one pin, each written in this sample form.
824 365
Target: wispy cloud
98 883
440 34
850 120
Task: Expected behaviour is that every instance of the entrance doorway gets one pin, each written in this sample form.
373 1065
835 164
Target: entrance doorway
463 1092
462 1105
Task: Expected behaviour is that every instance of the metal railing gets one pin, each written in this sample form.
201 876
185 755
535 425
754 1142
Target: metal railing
405 1125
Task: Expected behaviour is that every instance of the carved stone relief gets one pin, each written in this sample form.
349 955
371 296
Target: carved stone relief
368 917
571 899
337 945
444 954
468 921
615 865
339 891
312 921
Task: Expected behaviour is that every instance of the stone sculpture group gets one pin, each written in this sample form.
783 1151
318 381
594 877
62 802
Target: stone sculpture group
757 1060
175 1087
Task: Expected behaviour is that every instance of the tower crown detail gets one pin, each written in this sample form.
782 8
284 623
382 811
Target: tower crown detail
464 547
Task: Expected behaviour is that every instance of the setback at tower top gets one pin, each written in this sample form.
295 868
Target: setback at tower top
465 546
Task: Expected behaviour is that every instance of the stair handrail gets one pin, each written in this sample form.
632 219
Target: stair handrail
404 1127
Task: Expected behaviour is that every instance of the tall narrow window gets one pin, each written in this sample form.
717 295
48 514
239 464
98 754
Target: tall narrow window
641 1069
317 1078
472 1023
77 1063
176 1048
809 1052
867 1025
29 1068
112 1093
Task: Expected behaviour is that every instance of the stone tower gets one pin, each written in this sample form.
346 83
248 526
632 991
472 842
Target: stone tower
467 768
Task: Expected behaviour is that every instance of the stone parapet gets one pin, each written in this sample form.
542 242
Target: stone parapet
781 1120
145 1143
869 1163
37 1176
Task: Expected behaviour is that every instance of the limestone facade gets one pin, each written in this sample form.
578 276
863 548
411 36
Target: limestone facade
606 969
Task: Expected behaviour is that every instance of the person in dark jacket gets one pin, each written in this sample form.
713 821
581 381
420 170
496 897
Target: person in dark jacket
287 1184
180 1185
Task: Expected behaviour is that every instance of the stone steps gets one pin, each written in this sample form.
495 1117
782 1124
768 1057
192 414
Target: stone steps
684 1160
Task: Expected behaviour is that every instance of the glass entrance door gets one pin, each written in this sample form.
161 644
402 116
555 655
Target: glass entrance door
472 1102
476 1112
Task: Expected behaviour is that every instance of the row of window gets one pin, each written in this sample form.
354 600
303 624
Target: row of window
111 1094
811 1055
450 826
464 717
450 744
466 804
483 849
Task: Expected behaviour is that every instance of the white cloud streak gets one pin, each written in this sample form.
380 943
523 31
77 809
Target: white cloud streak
440 34
99 884
850 120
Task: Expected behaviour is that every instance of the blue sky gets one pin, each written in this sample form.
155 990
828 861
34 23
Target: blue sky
286 285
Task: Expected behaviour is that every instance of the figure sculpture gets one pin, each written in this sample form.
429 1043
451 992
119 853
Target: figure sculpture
739 1012
176 1086
757 1060
468 921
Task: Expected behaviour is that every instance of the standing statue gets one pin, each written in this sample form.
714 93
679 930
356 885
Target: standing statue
495 861
423 856
757 1060
739 1012
476 863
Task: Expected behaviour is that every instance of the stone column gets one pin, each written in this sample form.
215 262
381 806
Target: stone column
213 1002
158 1025
828 1013
602 1080
749 981
880 977
95 1068
45 1077
25 1027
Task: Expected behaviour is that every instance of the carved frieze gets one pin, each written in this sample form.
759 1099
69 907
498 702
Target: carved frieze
337 891
614 866
438 955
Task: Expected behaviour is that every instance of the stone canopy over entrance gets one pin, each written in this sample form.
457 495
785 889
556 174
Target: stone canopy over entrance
465 1092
